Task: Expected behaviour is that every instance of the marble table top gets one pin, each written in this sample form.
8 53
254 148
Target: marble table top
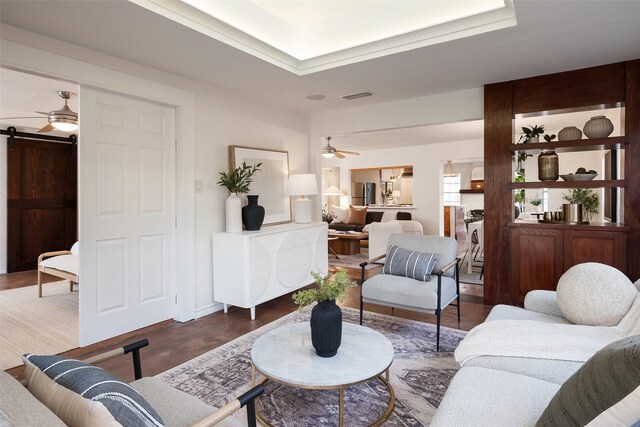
286 355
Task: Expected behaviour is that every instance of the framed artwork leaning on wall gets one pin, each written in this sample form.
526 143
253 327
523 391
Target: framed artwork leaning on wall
269 183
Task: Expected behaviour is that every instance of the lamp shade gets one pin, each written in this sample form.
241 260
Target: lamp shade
332 191
303 184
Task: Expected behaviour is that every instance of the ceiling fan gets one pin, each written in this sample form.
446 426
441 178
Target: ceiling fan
63 119
329 151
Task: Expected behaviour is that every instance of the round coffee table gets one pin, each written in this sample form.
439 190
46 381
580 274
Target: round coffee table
286 355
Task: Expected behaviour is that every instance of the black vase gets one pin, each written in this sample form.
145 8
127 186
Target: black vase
252 214
326 328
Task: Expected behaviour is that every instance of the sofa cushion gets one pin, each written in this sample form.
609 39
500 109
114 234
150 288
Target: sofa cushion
357 215
553 371
373 217
83 395
21 407
341 215
510 312
595 294
68 263
482 397
400 291
165 399
604 380
413 264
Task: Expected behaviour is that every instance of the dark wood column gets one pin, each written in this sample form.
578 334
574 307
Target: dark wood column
632 167
498 199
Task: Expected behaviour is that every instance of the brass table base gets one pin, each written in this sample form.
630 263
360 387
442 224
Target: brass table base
384 380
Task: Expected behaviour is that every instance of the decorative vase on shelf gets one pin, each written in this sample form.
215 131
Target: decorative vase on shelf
326 328
252 214
533 139
233 213
548 166
569 133
598 127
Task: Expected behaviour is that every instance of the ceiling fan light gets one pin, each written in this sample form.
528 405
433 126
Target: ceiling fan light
65 126
328 151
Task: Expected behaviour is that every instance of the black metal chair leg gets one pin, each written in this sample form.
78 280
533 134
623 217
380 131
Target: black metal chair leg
438 331
361 306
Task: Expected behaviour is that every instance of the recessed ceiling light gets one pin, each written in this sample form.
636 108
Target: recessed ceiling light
317 97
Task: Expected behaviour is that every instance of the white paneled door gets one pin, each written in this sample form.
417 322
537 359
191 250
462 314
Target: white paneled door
127 214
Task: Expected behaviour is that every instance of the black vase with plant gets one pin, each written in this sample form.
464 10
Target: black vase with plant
326 316
252 214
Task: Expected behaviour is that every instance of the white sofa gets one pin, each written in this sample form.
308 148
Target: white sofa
492 390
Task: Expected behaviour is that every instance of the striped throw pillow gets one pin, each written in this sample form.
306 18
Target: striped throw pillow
85 395
413 264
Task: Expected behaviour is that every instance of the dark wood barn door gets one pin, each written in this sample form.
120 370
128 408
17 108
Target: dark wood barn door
42 200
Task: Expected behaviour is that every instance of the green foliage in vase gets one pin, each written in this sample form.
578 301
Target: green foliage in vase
329 288
535 201
239 179
530 132
588 198
326 216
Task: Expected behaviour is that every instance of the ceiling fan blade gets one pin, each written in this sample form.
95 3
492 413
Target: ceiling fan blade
348 152
41 112
48 128
340 156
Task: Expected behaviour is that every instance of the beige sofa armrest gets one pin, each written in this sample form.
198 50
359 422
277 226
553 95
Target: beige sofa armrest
544 302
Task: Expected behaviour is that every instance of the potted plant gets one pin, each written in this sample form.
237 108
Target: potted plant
326 316
586 197
531 134
237 181
536 201
326 216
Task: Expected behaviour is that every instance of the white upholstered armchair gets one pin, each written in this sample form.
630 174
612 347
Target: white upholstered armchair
408 283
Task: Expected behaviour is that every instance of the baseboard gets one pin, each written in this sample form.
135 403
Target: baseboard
3 270
208 309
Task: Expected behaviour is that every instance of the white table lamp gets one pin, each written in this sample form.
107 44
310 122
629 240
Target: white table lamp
302 185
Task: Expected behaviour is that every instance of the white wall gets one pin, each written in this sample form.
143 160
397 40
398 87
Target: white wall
225 120
427 161
222 118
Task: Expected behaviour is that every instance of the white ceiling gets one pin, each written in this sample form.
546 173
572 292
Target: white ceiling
551 36
307 36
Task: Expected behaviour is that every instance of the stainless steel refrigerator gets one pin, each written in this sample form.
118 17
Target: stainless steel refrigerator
363 193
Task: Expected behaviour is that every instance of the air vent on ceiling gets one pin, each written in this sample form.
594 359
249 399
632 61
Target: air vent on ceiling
356 95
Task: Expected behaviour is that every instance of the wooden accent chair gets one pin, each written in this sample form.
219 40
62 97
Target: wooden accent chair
408 293
64 264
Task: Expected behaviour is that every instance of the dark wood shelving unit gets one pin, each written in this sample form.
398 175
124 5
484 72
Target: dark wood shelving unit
596 183
521 256
576 145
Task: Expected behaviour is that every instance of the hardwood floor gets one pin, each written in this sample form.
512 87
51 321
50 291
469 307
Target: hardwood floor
172 343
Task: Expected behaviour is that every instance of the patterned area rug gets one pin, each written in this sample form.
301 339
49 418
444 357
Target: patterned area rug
419 376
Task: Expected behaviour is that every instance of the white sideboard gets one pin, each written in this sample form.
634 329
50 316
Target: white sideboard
252 267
